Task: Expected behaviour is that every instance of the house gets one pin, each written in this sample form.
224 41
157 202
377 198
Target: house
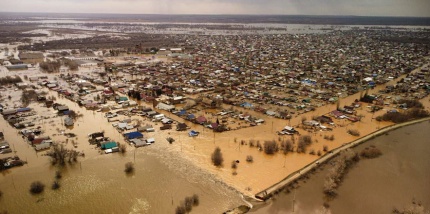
176 100
46 144
209 103
201 120
165 107
133 135
259 121
124 126
324 119
121 99
311 123
213 125
108 145
68 121
138 142
39 140
289 129
166 126
166 121
150 141
246 105
191 117
181 113
181 127
62 109
95 135
337 113
193 133
9 112
31 57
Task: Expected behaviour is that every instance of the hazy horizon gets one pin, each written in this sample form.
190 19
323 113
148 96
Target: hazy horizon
391 8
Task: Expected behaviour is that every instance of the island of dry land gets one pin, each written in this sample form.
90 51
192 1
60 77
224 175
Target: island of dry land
255 110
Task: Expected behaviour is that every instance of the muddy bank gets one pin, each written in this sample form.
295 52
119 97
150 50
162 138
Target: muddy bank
267 193
378 185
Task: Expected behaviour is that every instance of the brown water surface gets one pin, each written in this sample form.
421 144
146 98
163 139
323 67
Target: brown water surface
98 184
378 185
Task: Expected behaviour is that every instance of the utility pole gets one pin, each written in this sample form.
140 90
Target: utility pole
272 126
294 198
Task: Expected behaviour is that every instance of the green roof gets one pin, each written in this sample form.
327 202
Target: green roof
109 145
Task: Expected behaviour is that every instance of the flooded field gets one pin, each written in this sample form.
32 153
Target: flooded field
379 185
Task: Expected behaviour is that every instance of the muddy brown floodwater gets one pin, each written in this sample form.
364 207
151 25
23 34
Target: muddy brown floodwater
378 185
97 183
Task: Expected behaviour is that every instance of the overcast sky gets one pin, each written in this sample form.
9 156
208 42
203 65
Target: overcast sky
303 7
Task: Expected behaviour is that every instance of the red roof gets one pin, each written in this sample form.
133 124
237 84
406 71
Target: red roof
201 119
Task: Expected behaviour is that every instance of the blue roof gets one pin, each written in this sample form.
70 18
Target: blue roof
191 116
182 112
246 104
133 135
23 109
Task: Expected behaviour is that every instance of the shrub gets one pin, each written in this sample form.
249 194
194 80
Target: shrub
1 193
59 154
304 141
217 158
251 143
122 148
370 152
233 165
55 185
58 175
354 132
270 147
312 152
180 210
259 145
28 96
196 200
50 66
249 159
325 148
188 203
129 168
287 146
327 137
338 170
37 187
400 117
319 153
411 103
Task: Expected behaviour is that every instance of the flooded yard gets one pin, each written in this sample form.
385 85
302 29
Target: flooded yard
162 178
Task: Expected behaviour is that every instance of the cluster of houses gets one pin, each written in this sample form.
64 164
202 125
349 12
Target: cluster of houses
29 132
277 75
24 120
4 145
8 162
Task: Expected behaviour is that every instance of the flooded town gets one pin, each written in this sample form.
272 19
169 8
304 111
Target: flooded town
168 114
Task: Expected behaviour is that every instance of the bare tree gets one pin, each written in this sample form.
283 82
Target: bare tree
129 168
217 158
270 147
